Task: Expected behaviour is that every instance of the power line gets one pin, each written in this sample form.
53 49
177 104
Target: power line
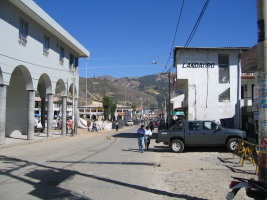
174 38
194 29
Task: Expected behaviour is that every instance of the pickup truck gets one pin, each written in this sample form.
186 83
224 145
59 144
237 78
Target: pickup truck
199 133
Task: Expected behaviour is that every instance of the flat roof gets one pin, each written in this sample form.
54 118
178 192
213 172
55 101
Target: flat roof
224 48
41 17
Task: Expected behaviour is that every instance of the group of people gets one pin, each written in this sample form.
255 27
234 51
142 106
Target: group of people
144 134
94 126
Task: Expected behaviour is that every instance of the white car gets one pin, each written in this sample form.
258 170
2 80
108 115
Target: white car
129 123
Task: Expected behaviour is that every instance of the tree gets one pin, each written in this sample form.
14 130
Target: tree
134 107
107 104
113 109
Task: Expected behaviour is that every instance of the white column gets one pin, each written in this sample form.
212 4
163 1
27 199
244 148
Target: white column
50 115
43 107
64 115
76 114
3 90
31 103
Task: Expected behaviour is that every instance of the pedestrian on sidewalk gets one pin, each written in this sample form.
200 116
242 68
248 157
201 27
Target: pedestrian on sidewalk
88 125
141 134
148 134
39 127
117 125
94 128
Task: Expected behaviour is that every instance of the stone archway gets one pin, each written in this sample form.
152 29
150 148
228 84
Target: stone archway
17 101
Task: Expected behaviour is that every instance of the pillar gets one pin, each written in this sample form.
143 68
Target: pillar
50 115
31 105
262 68
3 90
43 107
64 115
76 113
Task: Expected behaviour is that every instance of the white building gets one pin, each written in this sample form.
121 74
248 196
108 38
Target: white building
211 79
37 56
94 111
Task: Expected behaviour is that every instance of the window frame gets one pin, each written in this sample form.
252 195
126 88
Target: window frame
23 31
46 44
225 96
61 55
224 68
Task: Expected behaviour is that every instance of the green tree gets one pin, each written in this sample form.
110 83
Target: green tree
133 107
107 104
113 109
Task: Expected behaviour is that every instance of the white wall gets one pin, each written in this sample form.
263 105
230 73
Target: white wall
31 55
26 67
203 84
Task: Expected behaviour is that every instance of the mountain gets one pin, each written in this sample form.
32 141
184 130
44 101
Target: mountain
146 91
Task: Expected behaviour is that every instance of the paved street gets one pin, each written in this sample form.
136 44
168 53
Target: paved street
87 166
98 166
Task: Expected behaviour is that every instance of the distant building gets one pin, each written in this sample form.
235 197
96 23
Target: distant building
211 79
37 55
250 91
95 110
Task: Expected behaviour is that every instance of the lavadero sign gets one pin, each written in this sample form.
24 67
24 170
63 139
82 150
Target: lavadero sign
198 65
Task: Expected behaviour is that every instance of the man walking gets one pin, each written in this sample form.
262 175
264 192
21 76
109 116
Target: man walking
141 134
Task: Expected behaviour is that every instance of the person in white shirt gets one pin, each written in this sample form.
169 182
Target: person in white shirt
148 134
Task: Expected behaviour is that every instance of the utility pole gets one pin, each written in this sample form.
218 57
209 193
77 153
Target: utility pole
262 69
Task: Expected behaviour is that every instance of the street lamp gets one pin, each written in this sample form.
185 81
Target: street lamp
169 101
86 87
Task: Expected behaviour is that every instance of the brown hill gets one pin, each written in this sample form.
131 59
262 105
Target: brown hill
146 91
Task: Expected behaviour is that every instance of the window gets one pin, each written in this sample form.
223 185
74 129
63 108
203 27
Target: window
225 96
23 31
209 126
73 62
46 44
61 55
193 126
223 60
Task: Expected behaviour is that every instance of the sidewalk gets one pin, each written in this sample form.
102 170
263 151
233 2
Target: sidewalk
22 139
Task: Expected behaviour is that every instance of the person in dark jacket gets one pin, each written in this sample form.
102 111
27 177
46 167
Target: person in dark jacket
140 135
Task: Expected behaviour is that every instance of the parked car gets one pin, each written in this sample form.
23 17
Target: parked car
129 123
200 133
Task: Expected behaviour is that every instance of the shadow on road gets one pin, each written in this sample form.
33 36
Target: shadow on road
50 178
165 148
232 164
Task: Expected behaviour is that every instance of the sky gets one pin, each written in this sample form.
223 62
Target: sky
125 36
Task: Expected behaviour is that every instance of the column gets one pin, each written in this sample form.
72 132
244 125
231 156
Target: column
76 114
50 115
43 107
31 104
64 115
3 90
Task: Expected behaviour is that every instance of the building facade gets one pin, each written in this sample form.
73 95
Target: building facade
95 111
211 79
37 58
250 91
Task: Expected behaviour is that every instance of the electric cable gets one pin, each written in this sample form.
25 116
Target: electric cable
175 34
193 30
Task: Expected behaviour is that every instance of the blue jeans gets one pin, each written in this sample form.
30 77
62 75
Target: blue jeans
141 144
94 129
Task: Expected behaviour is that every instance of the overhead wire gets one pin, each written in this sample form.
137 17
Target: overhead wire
175 34
194 29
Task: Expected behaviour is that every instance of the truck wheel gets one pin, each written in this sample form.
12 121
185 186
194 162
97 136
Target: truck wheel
231 144
177 146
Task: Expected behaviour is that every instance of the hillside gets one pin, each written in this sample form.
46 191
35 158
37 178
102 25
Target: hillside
143 91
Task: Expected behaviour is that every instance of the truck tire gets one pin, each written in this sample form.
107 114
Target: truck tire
177 146
231 144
